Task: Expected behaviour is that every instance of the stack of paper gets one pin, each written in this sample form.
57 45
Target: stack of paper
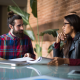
40 60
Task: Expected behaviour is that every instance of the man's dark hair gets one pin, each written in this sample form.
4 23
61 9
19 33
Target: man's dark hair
12 17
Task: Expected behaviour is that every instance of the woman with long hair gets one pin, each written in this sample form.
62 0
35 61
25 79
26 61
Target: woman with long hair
70 54
71 38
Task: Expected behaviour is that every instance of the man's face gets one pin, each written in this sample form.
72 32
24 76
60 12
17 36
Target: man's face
18 28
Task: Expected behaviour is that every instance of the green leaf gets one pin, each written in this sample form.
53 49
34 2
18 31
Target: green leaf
8 9
23 14
38 50
52 32
61 43
35 49
30 34
33 4
50 48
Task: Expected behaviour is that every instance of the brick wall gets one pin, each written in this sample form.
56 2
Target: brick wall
50 16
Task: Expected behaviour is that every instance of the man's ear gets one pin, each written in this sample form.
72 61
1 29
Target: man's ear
11 27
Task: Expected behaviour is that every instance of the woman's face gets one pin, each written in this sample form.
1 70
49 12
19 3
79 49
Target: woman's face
67 28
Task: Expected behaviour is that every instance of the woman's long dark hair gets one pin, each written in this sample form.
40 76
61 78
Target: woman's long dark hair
74 21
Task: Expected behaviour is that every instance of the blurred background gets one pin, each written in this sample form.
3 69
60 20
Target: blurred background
50 16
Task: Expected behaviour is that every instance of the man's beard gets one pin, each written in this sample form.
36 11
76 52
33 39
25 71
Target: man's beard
18 34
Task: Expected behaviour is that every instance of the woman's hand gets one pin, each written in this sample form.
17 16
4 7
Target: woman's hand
58 61
61 36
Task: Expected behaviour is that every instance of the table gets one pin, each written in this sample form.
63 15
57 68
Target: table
8 72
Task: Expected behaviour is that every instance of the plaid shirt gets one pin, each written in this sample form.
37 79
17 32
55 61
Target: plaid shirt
14 47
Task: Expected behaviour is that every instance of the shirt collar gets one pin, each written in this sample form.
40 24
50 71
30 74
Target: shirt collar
11 35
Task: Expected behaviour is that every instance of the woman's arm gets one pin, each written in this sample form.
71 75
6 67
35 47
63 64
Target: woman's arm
59 61
74 62
56 50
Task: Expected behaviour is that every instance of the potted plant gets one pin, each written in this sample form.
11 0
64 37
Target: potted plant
30 33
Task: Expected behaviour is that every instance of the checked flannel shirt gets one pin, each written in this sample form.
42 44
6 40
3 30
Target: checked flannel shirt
14 47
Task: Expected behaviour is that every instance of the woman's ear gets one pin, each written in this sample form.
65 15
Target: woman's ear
11 27
72 27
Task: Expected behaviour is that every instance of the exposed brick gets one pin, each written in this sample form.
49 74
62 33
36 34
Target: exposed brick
50 16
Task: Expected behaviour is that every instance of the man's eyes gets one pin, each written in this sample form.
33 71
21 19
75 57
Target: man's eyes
20 25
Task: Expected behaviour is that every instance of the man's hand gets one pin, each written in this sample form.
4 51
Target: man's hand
58 61
27 55
2 58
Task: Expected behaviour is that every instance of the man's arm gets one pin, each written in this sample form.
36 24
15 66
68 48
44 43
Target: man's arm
30 52
2 58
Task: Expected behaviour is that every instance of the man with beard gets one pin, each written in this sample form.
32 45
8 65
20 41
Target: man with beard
15 44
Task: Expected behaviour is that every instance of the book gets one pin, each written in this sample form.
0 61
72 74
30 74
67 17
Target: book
21 59
12 63
40 60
